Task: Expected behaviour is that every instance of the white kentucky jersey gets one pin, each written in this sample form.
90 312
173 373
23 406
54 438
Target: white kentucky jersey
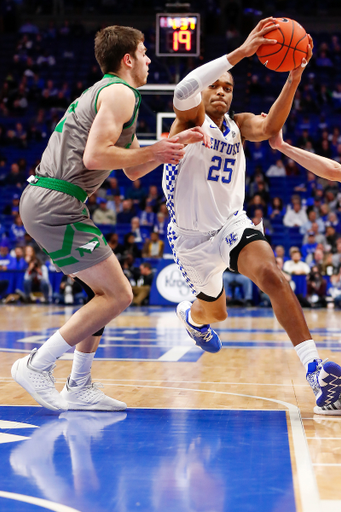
208 185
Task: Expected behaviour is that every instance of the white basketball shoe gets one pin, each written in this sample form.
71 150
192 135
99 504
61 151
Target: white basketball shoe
38 383
89 398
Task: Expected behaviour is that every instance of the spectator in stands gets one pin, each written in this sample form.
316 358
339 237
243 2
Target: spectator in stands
276 209
258 218
280 252
328 268
102 214
319 237
309 247
143 285
15 178
17 262
312 218
140 233
336 257
336 97
117 248
77 90
295 215
46 59
17 231
127 213
128 268
5 259
29 253
291 168
295 266
256 202
316 288
316 257
130 247
331 238
153 247
335 289
18 101
324 211
324 97
92 204
147 217
276 170
36 279
234 279
161 225
13 207
308 186
113 188
137 193
153 198
28 28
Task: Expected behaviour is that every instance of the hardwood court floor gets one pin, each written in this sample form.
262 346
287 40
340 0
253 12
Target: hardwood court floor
147 360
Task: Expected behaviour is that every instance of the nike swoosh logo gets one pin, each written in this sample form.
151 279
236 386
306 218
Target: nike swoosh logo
251 235
213 126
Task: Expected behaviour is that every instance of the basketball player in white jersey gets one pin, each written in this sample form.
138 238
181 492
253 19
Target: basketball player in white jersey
209 230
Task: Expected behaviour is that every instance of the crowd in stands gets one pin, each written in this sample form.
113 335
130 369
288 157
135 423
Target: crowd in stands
301 213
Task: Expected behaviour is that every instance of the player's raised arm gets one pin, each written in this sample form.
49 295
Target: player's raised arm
187 95
319 165
257 127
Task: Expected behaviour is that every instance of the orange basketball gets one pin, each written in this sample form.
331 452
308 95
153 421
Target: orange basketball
291 47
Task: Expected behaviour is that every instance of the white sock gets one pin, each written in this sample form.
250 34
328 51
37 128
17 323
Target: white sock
81 367
191 321
53 348
307 352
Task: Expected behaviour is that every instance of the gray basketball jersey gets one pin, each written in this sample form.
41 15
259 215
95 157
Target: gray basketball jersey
63 156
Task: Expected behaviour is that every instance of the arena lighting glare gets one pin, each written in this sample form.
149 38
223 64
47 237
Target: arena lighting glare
177 35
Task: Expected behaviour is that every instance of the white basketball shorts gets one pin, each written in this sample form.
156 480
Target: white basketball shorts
203 257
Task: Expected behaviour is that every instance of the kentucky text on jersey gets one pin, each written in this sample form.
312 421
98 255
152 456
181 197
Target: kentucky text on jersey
224 147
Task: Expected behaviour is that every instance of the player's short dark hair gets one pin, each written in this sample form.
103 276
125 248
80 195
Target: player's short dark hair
112 43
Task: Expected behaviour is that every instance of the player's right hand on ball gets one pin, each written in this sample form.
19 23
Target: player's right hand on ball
256 38
168 151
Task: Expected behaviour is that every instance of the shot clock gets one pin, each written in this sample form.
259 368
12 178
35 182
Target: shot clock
177 35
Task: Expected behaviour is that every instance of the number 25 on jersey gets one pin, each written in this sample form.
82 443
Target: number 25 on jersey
214 170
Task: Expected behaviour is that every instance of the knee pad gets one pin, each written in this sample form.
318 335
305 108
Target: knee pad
90 295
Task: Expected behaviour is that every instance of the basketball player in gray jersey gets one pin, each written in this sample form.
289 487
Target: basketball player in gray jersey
95 136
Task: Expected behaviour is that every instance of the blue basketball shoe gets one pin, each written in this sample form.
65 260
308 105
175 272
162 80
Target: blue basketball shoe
205 337
325 380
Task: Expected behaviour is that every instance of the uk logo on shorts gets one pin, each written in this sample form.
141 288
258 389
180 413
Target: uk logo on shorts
231 239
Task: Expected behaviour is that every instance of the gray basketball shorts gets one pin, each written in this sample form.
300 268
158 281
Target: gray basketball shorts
61 226
203 257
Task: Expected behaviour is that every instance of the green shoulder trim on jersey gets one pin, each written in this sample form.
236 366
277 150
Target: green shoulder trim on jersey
117 80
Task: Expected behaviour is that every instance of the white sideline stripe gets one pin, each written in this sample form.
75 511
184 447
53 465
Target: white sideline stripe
325 438
331 505
329 465
175 353
50 505
10 438
15 424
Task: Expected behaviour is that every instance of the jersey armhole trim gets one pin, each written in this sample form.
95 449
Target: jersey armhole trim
135 91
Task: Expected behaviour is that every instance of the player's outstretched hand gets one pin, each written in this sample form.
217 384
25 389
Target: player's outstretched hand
193 135
168 151
276 141
256 38
297 72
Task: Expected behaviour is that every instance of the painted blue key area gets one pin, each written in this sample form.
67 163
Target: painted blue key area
149 460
